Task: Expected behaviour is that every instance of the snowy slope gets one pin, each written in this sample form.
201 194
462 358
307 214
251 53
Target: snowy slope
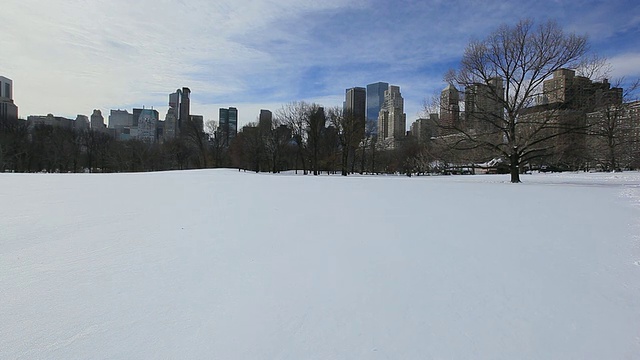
225 265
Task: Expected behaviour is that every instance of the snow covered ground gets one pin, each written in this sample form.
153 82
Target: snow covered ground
219 264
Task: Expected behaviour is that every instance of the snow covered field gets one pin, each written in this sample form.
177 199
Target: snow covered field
219 264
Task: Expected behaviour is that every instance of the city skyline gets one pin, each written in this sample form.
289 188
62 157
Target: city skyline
67 61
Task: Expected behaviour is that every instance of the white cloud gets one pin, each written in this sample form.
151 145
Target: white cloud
68 57
625 65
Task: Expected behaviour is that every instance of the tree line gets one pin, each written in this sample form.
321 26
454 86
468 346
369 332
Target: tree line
306 138
302 137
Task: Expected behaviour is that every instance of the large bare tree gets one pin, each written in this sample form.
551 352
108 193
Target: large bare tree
521 56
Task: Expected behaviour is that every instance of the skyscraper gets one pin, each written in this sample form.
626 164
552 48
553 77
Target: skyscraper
449 109
228 125
392 121
185 107
8 110
356 106
375 100
265 121
170 130
178 112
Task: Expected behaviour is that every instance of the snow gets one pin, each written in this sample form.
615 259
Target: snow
219 264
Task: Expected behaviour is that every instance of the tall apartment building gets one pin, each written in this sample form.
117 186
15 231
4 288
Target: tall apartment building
392 121
578 92
449 109
568 105
615 136
484 106
375 100
228 125
8 110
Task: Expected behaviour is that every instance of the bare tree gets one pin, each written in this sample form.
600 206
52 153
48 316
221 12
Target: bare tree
275 143
521 56
594 66
14 144
315 126
368 145
293 115
250 147
192 133
350 131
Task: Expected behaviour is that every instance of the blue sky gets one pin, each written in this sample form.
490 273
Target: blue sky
69 57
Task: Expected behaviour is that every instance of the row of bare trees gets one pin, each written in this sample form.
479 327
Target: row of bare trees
307 137
59 149
304 137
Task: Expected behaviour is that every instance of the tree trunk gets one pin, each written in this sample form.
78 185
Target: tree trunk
345 161
612 155
515 168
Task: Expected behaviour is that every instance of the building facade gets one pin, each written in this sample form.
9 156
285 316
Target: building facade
578 92
449 109
484 106
425 128
392 121
185 107
121 123
614 137
82 123
146 125
57 121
